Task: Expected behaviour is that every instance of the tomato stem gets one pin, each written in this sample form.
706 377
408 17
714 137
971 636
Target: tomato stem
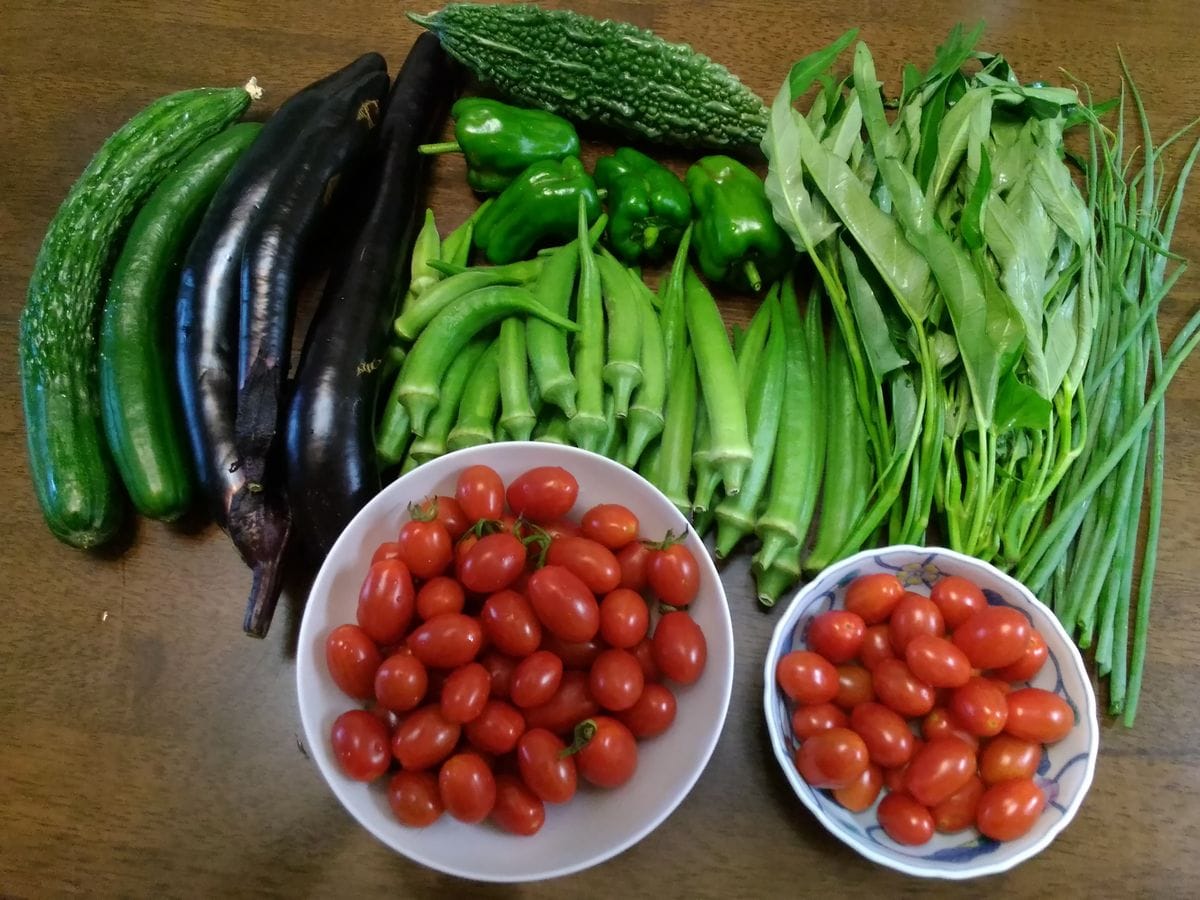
584 732
670 539
425 511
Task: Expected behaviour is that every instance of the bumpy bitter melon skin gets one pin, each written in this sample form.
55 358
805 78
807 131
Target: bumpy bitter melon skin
603 72
73 474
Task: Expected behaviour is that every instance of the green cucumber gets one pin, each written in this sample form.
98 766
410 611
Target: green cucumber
73 475
137 379
603 72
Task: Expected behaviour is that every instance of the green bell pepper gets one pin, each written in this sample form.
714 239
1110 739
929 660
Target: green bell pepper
541 204
648 206
736 239
501 141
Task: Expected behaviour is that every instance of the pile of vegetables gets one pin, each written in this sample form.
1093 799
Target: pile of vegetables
957 339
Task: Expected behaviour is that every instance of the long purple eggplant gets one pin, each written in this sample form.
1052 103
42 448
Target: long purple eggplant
332 467
207 327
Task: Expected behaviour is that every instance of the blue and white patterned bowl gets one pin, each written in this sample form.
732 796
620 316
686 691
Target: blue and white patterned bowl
1066 769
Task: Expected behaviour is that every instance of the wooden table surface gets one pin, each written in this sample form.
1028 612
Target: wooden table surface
148 747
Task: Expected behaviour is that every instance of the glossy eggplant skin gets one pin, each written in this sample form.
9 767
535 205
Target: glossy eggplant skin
335 140
332 465
206 347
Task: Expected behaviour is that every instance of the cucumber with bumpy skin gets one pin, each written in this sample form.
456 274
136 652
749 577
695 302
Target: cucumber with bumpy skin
72 473
604 72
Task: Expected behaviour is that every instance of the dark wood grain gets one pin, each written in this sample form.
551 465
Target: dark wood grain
147 747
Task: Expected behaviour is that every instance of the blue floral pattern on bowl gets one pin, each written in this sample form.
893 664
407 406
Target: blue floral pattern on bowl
1064 772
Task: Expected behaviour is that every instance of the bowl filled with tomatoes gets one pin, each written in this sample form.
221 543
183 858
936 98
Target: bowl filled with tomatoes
515 662
930 712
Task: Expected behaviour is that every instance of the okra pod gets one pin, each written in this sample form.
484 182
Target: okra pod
480 401
623 365
395 428
672 468
718 373
645 420
547 345
516 412
420 312
432 443
456 246
674 322
587 426
552 429
736 516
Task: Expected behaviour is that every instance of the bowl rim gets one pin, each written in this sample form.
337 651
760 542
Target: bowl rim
340 786
1088 719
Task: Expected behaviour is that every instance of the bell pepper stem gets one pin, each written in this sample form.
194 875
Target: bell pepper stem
752 275
443 147
650 236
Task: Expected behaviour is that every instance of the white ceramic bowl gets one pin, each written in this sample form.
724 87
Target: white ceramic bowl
595 825
1066 768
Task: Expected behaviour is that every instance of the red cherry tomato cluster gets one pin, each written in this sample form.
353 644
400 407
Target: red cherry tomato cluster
919 695
505 654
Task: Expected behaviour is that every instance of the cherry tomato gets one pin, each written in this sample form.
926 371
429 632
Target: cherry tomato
905 820
464 546
570 705
1009 809
1031 661
644 653
386 550
673 575
939 769
561 528
861 793
807 677
465 693
497 729
352 659
545 771
893 778
912 616
815 718
385 601
680 650
633 559
518 809
414 798
425 547
467 787
543 494
609 758
876 646
837 635
832 759
439 596
591 561
653 712
624 618
401 682
1038 715
564 604
957 598
447 641
536 679
384 715
1006 758
940 723
500 668
899 689
854 687
886 735
979 707
510 623
957 811
873 597
937 662
1001 685
994 637
424 738
492 564
574 655
360 745
445 510
480 493
616 680
610 524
